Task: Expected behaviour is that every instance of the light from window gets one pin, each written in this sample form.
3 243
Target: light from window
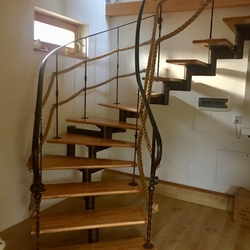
52 34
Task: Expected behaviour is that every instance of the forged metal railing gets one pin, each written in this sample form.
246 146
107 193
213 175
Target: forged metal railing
37 134
156 153
37 187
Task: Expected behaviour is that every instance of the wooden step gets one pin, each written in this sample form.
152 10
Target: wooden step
75 139
232 22
69 190
186 62
60 162
167 79
123 244
211 43
121 106
153 94
103 122
90 219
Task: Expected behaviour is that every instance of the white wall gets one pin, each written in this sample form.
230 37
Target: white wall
194 140
182 145
19 72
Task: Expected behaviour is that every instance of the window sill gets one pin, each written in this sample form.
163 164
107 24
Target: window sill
61 53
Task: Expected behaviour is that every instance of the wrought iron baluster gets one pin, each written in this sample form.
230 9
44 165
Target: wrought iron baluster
57 98
85 78
117 66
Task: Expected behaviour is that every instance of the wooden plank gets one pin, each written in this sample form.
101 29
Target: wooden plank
132 8
60 162
182 192
75 139
175 219
196 236
167 79
186 62
90 219
103 122
123 244
232 21
152 95
120 106
67 190
175 225
208 43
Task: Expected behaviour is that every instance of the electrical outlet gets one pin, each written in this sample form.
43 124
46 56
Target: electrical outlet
237 119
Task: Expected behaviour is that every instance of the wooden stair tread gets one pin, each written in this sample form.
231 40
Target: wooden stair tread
168 79
186 62
122 244
90 219
121 106
104 122
68 138
60 162
67 190
153 94
209 43
231 22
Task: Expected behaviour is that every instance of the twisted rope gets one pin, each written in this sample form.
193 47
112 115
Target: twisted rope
148 85
147 88
142 110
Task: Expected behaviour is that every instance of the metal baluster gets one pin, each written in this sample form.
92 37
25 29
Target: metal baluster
211 29
57 97
133 182
117 66
159 46
85 79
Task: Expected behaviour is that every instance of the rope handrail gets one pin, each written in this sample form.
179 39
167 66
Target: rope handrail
155 151
156 133
40 103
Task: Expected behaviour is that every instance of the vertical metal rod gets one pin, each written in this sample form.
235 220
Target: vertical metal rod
133 182
211 29
93 234
117 66
57 96
85 80
159 46
211 21
151 188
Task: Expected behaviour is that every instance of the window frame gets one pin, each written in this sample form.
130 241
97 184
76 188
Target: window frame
60 23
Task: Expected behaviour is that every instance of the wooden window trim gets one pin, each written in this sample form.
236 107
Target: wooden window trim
58 22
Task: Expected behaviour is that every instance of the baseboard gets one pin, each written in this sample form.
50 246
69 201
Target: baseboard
182 192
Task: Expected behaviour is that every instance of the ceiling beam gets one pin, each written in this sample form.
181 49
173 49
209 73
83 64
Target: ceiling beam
132 8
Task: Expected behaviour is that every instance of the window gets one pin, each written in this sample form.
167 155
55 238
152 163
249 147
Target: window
54 32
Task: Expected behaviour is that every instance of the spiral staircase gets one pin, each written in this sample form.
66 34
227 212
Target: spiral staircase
100 138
